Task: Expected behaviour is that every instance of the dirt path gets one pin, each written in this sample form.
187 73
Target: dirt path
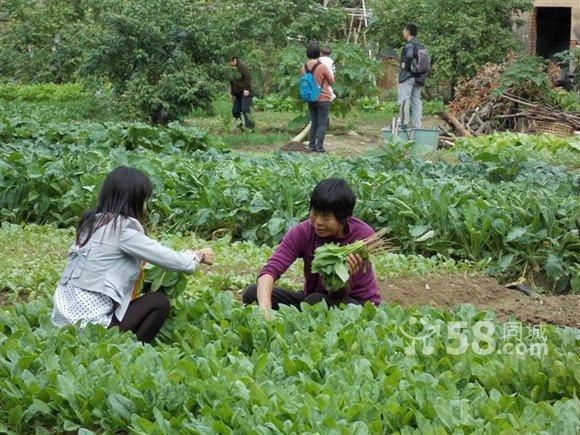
340 141
340 145
448 291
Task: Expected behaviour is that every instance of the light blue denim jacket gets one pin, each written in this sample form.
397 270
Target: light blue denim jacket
111 261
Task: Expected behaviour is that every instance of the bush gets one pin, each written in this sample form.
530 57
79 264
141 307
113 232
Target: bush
527 77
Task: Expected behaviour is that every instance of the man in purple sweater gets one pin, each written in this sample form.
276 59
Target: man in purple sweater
331 207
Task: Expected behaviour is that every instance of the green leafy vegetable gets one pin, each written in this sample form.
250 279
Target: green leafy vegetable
171 283
330 259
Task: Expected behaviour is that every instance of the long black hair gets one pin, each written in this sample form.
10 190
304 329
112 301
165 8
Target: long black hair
123 193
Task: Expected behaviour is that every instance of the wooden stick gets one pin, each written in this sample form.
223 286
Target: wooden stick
454 122
516 100
302 134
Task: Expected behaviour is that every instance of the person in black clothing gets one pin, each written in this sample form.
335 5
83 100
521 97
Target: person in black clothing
409 92
241 91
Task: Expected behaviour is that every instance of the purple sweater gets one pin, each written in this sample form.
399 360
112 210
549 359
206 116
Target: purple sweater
301 241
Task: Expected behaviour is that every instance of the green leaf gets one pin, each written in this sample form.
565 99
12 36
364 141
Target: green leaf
515 234
428 235
342 271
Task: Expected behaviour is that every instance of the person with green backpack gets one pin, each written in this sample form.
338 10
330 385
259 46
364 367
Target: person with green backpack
315 89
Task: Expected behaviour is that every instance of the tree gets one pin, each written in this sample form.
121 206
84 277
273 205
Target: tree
461 35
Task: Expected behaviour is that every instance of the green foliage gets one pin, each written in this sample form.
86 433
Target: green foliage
527 77
274 102
460 35
155 53
508 213
47 112
355 76
220 367
373 104
34 257
163 58
173 284
43 43
568 101
131 136
42 92
511 150
33 260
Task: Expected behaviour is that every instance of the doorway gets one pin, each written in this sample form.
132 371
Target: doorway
553 31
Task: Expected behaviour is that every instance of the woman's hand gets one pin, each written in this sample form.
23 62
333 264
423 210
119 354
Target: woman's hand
355 263
206 256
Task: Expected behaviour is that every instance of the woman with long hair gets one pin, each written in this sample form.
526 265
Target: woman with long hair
104 270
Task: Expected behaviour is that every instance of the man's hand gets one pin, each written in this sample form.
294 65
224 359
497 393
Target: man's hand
355 263
246 93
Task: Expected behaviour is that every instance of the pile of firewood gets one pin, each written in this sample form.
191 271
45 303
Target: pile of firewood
479 109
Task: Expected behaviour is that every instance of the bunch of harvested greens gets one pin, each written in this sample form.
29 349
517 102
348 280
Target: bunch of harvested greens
331 260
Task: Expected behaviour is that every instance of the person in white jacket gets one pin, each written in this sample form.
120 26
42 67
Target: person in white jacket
325 59
101 280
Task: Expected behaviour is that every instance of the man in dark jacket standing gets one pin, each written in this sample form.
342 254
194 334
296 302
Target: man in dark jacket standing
409 94
241 91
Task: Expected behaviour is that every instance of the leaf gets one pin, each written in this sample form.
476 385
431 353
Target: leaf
276 226
258 204
122 406
554 267
418 230
428 235
342 271
515 234
143 426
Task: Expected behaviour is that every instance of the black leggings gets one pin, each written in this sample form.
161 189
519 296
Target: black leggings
285 297
145 316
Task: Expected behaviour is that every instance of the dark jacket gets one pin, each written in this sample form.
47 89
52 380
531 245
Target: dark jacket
407 57
242 83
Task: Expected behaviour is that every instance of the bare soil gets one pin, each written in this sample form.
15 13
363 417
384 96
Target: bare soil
340 141
449 291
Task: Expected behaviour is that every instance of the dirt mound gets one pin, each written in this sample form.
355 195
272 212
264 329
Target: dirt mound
448 291
294 147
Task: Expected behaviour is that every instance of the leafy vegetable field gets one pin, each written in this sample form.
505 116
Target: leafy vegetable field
515 213
221 368
505 205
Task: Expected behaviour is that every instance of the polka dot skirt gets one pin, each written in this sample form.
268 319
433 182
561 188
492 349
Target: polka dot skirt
72 304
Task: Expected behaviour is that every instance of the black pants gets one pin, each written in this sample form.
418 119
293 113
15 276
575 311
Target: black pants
241 108
318 124
285 297
145 316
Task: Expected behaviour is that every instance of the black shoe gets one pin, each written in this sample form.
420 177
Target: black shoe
320 150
